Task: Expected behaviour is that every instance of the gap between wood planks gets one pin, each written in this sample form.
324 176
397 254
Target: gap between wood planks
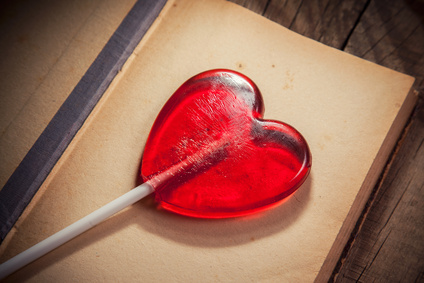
355 25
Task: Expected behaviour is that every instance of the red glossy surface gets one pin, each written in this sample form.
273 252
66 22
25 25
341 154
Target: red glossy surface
213 154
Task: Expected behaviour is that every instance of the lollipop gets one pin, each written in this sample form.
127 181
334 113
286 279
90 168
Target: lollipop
209 154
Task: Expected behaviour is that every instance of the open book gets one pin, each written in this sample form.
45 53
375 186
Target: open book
349 110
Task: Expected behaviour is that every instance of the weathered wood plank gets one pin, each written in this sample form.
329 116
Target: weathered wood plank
389 246
328 21
257 6
392 36
283 12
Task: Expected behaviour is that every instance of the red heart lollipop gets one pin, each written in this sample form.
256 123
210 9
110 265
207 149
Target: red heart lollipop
209 154
226 159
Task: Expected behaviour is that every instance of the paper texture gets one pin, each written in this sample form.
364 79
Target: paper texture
342 105
46 47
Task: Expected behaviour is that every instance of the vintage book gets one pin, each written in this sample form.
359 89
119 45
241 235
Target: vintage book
350 111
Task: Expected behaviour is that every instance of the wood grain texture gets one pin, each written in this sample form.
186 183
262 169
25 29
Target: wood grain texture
257 6
329 22
387 244
282 12
392 36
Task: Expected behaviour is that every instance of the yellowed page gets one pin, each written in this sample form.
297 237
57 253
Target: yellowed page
343 106
45 49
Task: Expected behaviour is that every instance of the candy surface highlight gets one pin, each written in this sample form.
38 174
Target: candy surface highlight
210 154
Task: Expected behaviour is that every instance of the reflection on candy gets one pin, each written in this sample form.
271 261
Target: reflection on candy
251 163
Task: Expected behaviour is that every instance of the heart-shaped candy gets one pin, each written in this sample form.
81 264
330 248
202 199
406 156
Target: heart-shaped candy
210 154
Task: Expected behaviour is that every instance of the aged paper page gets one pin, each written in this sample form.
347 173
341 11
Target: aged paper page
46 47
343 106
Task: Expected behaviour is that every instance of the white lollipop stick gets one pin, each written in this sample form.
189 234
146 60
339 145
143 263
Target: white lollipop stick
74 230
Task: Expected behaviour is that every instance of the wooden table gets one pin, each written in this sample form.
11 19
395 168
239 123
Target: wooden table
387 244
